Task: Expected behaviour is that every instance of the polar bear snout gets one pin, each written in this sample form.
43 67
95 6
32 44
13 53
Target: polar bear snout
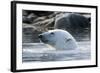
42 38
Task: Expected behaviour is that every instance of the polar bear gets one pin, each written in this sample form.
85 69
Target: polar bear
59 39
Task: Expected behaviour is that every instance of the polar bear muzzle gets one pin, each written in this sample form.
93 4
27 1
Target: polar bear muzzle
42 38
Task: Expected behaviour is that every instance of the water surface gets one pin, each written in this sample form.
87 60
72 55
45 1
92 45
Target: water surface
39 52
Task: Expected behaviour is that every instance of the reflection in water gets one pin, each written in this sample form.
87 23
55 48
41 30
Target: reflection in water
39 52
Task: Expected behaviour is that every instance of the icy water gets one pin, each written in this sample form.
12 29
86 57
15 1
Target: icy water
39 52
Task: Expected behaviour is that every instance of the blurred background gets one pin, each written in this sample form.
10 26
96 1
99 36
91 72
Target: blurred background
36 22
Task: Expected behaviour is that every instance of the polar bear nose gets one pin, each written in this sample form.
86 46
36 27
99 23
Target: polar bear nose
40 36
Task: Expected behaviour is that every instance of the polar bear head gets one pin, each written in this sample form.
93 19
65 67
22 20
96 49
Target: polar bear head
59 39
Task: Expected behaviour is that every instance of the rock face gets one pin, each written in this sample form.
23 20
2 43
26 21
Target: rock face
36 22
74 23
30 16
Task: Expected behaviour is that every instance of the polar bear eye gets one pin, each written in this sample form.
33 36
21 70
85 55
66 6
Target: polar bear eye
52 33
68 40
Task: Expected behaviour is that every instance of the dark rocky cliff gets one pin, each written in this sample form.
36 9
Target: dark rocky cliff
36 22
